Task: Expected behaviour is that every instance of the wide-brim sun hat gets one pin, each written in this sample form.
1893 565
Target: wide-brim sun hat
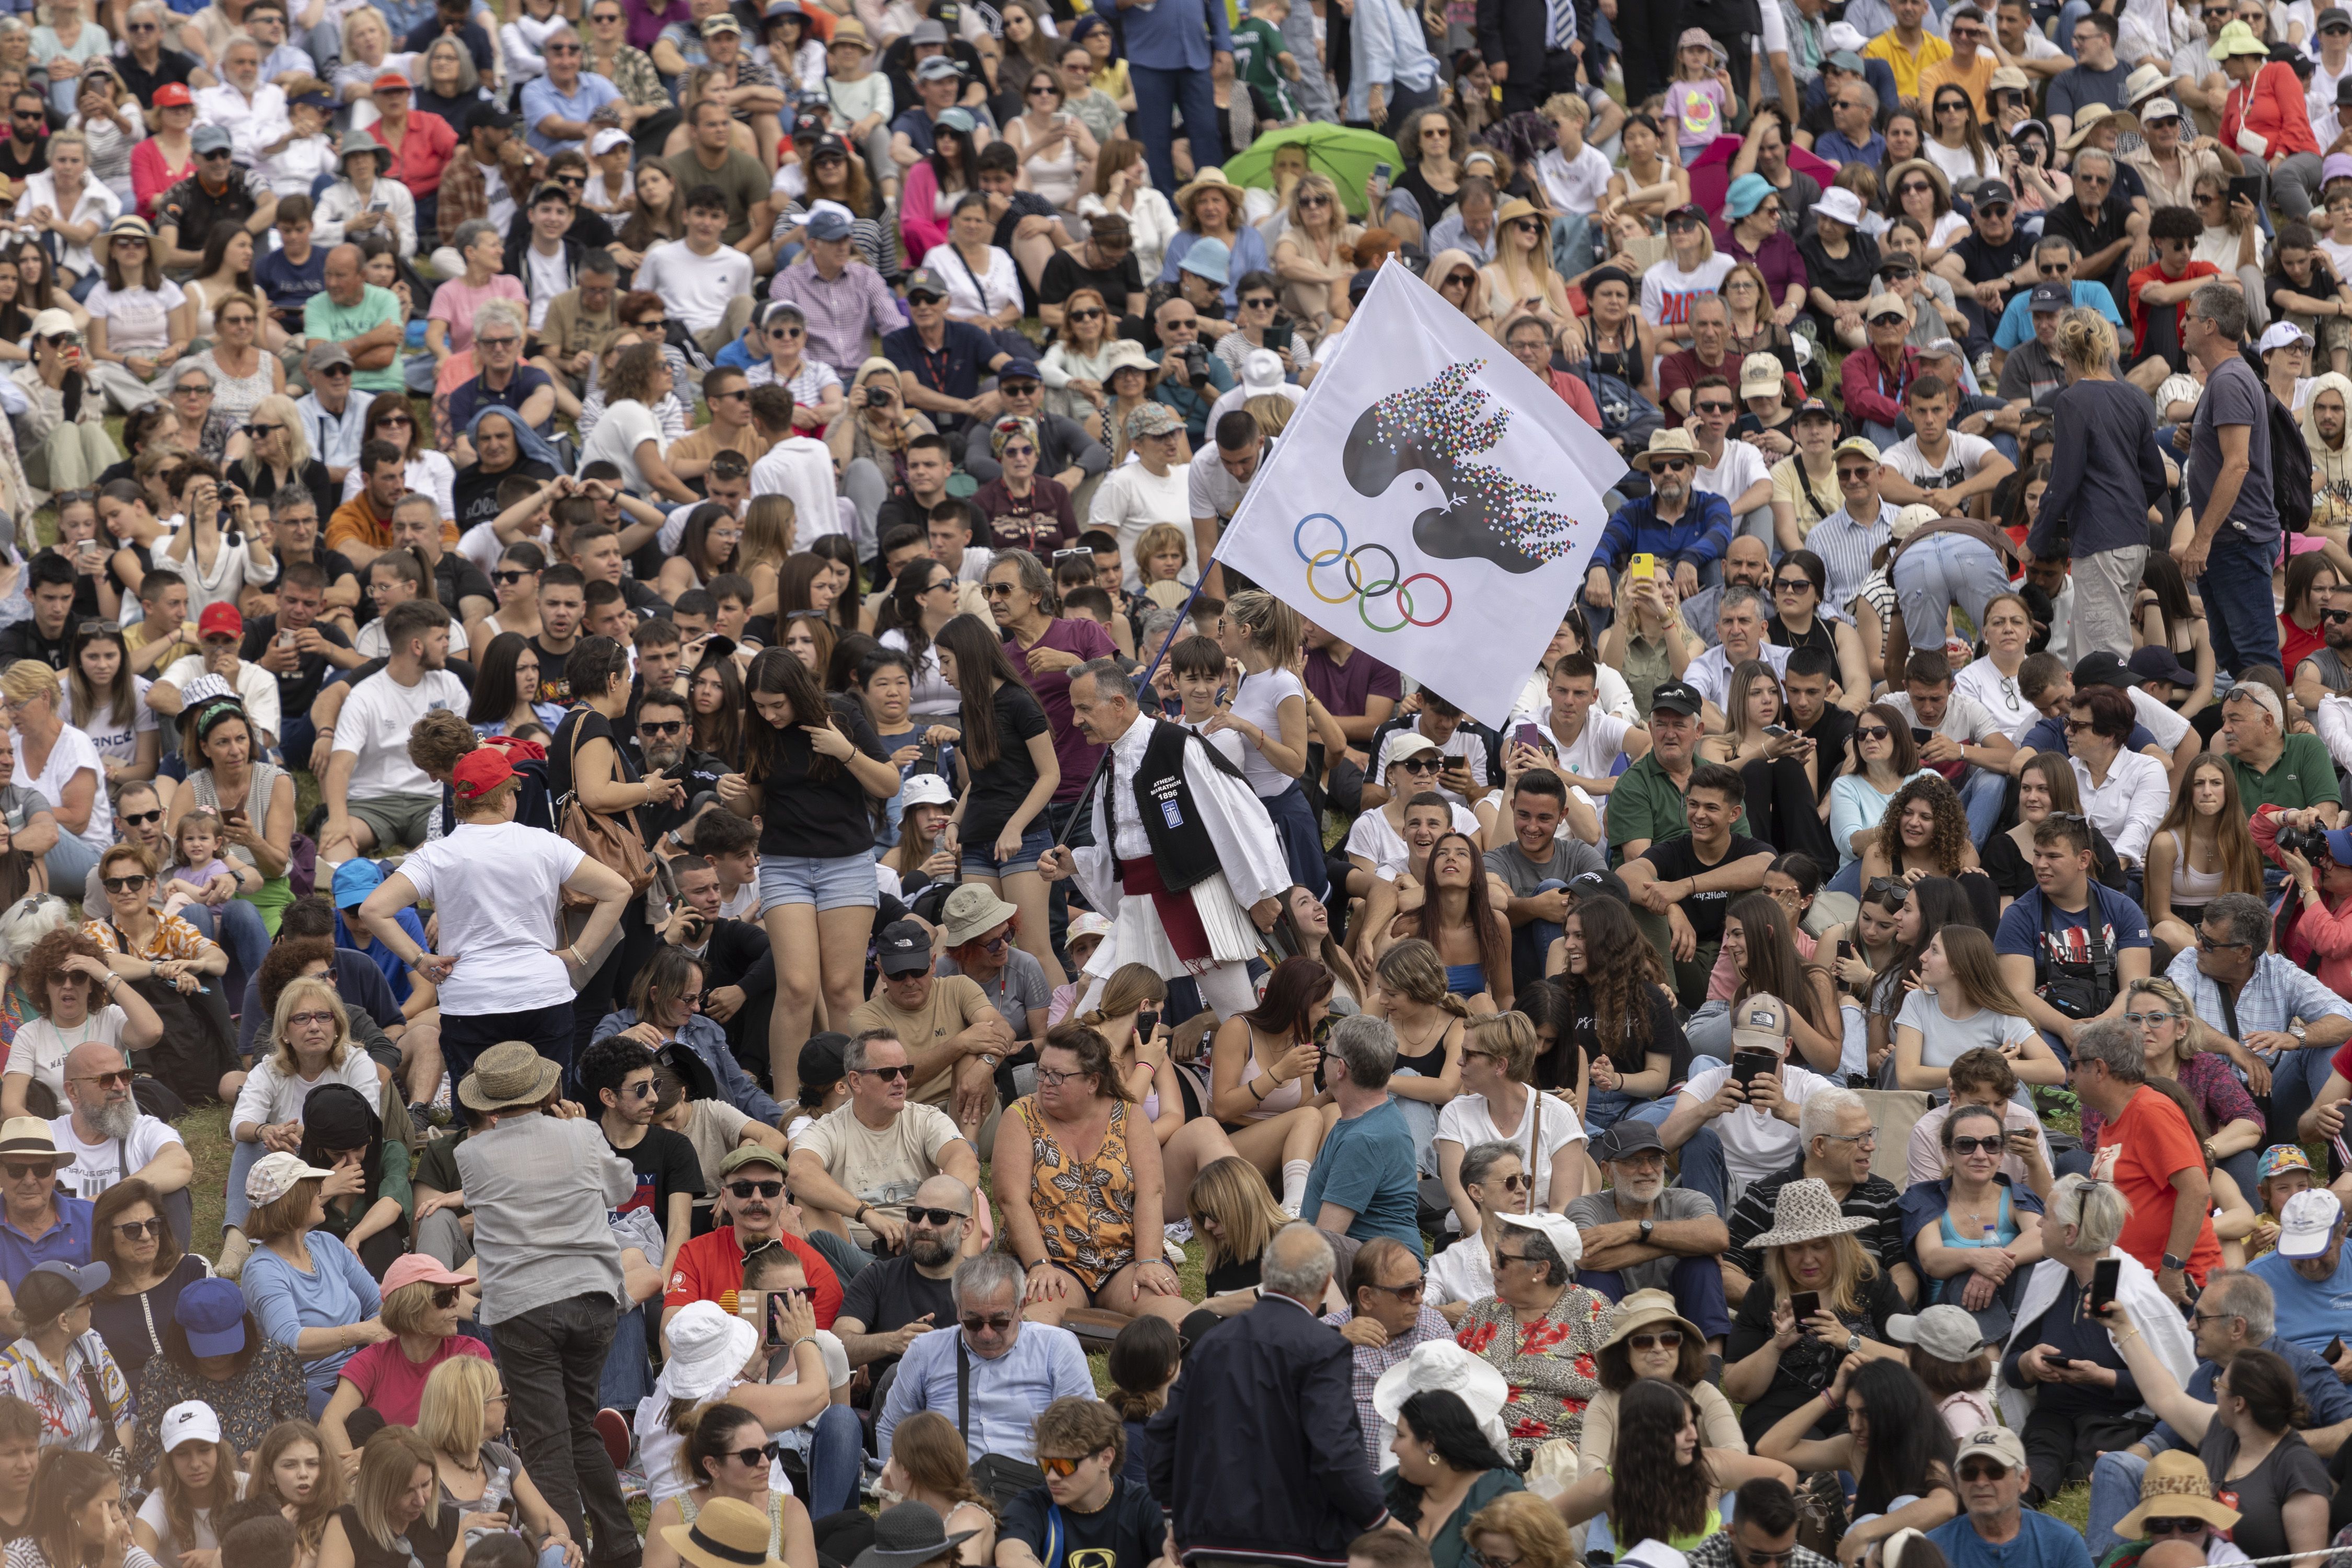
508 1074
1805 1210
726 1533
1441 1365
907 1535
1647 1309
2175 1486
708 1346
1670 442
1211 178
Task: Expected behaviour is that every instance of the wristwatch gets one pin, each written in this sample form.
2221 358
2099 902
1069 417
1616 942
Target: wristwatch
1852 1343
2175 1264
1647 1226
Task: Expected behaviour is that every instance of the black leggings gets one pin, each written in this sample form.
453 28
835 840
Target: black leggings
2062 1447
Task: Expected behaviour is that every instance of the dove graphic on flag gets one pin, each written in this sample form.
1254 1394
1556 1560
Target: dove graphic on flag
1431 502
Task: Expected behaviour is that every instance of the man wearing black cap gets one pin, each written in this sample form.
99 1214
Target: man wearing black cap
2032 374
2161 675
1992 261
1647 804
490 174
1642 1235
1065 453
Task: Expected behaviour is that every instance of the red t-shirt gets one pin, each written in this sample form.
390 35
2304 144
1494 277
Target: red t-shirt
2140 1152
710 1269
2154 273
389 1381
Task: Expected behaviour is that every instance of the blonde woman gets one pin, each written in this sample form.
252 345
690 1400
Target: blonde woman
1315 256
1122 183
770 528
1131 1016
396 1512
1520 279
278 458
1499 1101
1811 1248
1236 1218
1753 704
462 1415
1270 712
367 55
310 1045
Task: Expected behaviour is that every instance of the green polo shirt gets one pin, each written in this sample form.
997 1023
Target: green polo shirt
2304 775
1646 805
323 320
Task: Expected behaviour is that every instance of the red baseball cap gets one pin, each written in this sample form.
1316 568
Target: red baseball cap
174 94
392 81
479 772
220 620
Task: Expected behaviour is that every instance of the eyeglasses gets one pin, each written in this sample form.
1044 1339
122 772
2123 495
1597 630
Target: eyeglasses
892 1075
133 1229
1671 465
996 1323
2158 1017
1976 1145
2209 946
1052 1079
756 1189
1866 1140
934 1217
140 818
123 884
310 1017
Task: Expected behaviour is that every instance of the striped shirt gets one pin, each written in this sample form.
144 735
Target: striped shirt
1845 548
2278 994
1875 1200
1373 1360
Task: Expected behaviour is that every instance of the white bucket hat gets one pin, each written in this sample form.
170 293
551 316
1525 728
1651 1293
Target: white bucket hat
708 1348
1443 1366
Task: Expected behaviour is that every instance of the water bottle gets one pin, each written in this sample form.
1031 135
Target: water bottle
494 1500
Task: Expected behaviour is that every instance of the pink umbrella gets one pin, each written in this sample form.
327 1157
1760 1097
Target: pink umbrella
1710 172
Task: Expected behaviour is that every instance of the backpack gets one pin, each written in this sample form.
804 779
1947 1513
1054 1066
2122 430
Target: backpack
1625 415
2290 469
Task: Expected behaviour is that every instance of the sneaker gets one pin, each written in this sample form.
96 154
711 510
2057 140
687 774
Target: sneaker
235 1250
613 1428
1179 1230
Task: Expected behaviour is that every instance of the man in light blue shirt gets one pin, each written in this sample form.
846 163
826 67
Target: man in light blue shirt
1999 1530
1011 1369
2309 1274
2053 257
559 109
2255 997
1171 44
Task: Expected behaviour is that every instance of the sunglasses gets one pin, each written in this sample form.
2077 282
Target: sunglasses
1410 1291
1314 201
444 1295
2160 1527
1263 303
1670 465
1083 315
1792 585
765 1454
17 1172
756 1189
1420 764
140 818
1855 476
996 1323
2336 617
509 575
1058 1465
387 419
1665 1339
660 727
120 1078
123 884
1715 407
1976 1145
1975 1472
934 1217
132 1230
892 1075
1888 890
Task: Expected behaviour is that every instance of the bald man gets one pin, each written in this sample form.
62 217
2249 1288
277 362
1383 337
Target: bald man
108 1136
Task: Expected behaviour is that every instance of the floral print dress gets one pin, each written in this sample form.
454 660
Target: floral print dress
1085 1209
1548 1363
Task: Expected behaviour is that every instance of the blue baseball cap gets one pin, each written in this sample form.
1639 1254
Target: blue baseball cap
212 1314
354 880
2339 845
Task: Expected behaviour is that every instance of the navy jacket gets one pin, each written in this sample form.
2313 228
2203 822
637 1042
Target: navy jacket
1260 1447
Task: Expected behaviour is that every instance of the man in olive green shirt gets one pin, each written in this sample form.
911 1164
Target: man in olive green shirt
1646 805
710 158
2274 768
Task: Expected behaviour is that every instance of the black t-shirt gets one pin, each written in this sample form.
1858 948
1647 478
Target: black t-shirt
2323 285
701 772
456 578
259 481
1129 1531
17 166
1983 261
1808 1366
1678 857
426 1543
1832 735
998 789
333 564
666 1164
554 686
298 690
1840 277
579 727
1558 1068
171 65
476 494
824 817
2091 232
1065 277
24 640
893 1293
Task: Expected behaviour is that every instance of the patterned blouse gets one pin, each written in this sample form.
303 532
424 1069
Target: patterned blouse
2207 1076
62 1393
1548 1363
269 1390
174 938
1086 1211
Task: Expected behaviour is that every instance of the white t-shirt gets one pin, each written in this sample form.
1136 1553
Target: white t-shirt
374 728
698 288
1962 454
1376 841
880 1167
375 642
1755 1143
499 888
40 1048
1965 720
969 297
1129 500
1575 184
115 743
156 1516
137 319
1259 701
2164 723
1741 468
1468 1121
70 755
1595 752
271 1096
1668 292
98 1166
626 425
801 470
1999 695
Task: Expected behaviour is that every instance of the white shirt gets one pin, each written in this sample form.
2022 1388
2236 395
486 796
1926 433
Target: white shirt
2129 806
2164 723
252 125
1963 454
698 288
254 685
374 642
1965 719
1710 673
96 204
1755 1143
1576 184
1740 468
70 755
975 297
1594 753
625 426
98 1166
1468 1120
1385 847
499 889
377 718
1999 695
1463 1272
115 743
1130 499
271 1096
801 470
1668 292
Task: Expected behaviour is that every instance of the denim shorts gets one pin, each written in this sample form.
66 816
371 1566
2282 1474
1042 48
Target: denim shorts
846 882
980 859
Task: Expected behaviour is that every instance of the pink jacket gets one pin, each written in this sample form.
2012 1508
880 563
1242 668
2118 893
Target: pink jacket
918 198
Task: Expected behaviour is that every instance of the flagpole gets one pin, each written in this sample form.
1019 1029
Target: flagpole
1102 762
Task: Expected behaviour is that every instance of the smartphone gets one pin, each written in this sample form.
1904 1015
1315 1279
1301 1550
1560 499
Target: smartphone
1746 1065
1921 736
1381 174
1277 336
1776 729
1805 1304
2247 187
285 639
1146 1021
2335 1351
1528 735
1642 566
2107 1282
1845 950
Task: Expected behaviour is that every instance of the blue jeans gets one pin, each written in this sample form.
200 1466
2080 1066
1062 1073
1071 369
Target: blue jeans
2296 1078
1605 1108
1943 570
1983 793
2239 610
1421 1121
1531 943
70 860
1159 94
2114 1492
1697 1286
1572 248
628 1374
835 1456
237 926
1703 1170
242 1158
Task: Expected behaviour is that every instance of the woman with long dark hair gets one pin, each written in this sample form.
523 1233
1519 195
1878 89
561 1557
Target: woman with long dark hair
712 540
1262 1066
922 600
1446 1470
1664 1483
2200 850
1921 910
505 681
812 774
2164 616
928 197
1884 757
1895 1445
1456 916
1010 773
1963 1003
2046 785
107 702
1625 1029
146 1271
716 706
77 1517
1761 948
1649 1336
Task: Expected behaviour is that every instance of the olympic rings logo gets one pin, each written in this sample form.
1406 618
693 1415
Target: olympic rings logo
1364 593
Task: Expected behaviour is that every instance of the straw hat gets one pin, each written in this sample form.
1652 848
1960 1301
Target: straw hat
1919 166
1668 443
1647 1309
2095 114
725 1534
509 1074
1805 1211
1211 178
2175 1486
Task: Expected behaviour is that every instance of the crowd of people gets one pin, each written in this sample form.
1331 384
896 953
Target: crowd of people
611 641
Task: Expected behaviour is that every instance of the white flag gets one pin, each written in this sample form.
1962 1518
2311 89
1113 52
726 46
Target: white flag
1431 502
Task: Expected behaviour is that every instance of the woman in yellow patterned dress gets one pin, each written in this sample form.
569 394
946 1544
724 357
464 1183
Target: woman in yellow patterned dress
1082 1200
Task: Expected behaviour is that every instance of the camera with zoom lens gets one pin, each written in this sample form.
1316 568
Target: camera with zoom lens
878 396
2311 843
1194 358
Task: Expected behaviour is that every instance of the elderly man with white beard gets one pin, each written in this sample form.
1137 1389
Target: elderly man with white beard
108 1139
1643 1235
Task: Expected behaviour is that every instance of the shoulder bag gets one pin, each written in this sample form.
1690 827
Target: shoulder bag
999 1477
612 843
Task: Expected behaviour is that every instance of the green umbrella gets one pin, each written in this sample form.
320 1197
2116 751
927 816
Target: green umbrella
1344 153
